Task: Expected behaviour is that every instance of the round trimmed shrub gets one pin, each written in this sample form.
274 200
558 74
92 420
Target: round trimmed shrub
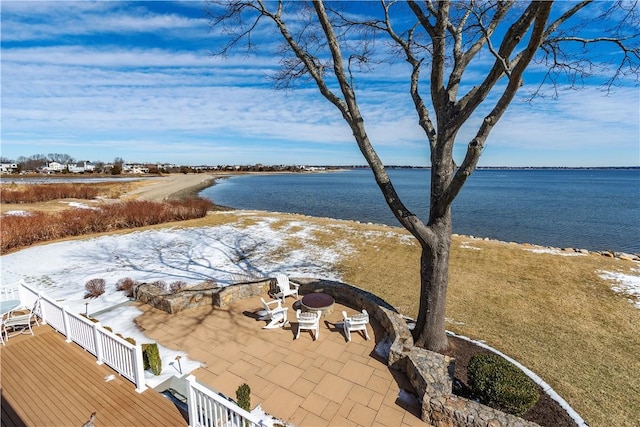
243 395
500 384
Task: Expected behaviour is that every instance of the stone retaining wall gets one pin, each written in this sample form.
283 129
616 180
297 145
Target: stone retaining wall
431 374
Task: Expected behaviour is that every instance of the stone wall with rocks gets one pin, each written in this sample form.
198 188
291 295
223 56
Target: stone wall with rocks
431 374
198 296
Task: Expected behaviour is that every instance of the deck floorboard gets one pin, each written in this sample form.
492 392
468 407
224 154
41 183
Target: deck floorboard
47 381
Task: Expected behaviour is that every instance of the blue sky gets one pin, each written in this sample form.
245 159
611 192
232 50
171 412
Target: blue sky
99 80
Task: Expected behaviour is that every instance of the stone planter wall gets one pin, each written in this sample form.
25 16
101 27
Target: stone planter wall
431 374
199 296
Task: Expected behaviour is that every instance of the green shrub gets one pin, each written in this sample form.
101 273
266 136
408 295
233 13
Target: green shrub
151 358
243 396
500 384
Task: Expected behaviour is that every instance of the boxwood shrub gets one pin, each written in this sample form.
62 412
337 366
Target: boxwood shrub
243 395
500 384
151 358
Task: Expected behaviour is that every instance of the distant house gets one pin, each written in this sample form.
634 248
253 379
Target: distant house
54 167
8 167
82 167
135 168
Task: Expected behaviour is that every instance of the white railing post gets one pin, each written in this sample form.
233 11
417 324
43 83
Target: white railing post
43 310
65 322
98 343
191 404
138 368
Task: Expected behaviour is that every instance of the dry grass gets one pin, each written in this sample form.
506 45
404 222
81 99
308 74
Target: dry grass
552 313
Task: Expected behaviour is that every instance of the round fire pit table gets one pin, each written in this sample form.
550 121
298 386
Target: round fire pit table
318 301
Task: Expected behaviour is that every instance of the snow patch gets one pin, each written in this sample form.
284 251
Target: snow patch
383 348
17 213
554 251
408 398
625 284
80 206
466 245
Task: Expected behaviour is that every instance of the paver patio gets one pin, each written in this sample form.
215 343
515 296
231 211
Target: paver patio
328 382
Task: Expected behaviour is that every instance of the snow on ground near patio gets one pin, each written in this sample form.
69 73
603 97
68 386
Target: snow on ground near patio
626 284
224 253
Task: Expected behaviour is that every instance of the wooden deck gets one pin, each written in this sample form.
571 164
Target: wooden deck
46 381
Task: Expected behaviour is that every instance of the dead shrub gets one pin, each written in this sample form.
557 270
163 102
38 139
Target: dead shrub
21 231
177 286
34 193
160 285
94 288
127 285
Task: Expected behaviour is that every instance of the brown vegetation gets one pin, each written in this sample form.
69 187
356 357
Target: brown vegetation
177 286
127 285
37 193
20 231
94 288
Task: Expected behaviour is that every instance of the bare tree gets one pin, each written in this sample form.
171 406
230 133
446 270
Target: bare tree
325 43
64 159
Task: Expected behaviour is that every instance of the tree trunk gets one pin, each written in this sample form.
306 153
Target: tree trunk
430 331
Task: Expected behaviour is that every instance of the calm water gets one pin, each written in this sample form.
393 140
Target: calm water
591 209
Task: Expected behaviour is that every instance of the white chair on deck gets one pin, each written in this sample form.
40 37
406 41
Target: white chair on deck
20 320
285 287
273 312
357 322
308 321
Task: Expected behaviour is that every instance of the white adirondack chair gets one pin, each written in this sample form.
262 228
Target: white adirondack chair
274 313
285 287
357 322
308 321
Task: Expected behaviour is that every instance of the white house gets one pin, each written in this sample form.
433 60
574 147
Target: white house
135 168
54 167
86 167
8 167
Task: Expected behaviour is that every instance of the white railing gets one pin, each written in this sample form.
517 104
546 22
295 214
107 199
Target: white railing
208 409
10 292
124 357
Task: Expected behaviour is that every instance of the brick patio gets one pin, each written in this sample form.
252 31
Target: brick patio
328 382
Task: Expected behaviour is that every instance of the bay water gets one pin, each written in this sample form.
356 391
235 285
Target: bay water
595 209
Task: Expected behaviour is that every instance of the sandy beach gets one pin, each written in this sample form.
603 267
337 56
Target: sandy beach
172 186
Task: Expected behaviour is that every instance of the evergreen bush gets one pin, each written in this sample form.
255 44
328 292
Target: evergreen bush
500 384
243 396
151 358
